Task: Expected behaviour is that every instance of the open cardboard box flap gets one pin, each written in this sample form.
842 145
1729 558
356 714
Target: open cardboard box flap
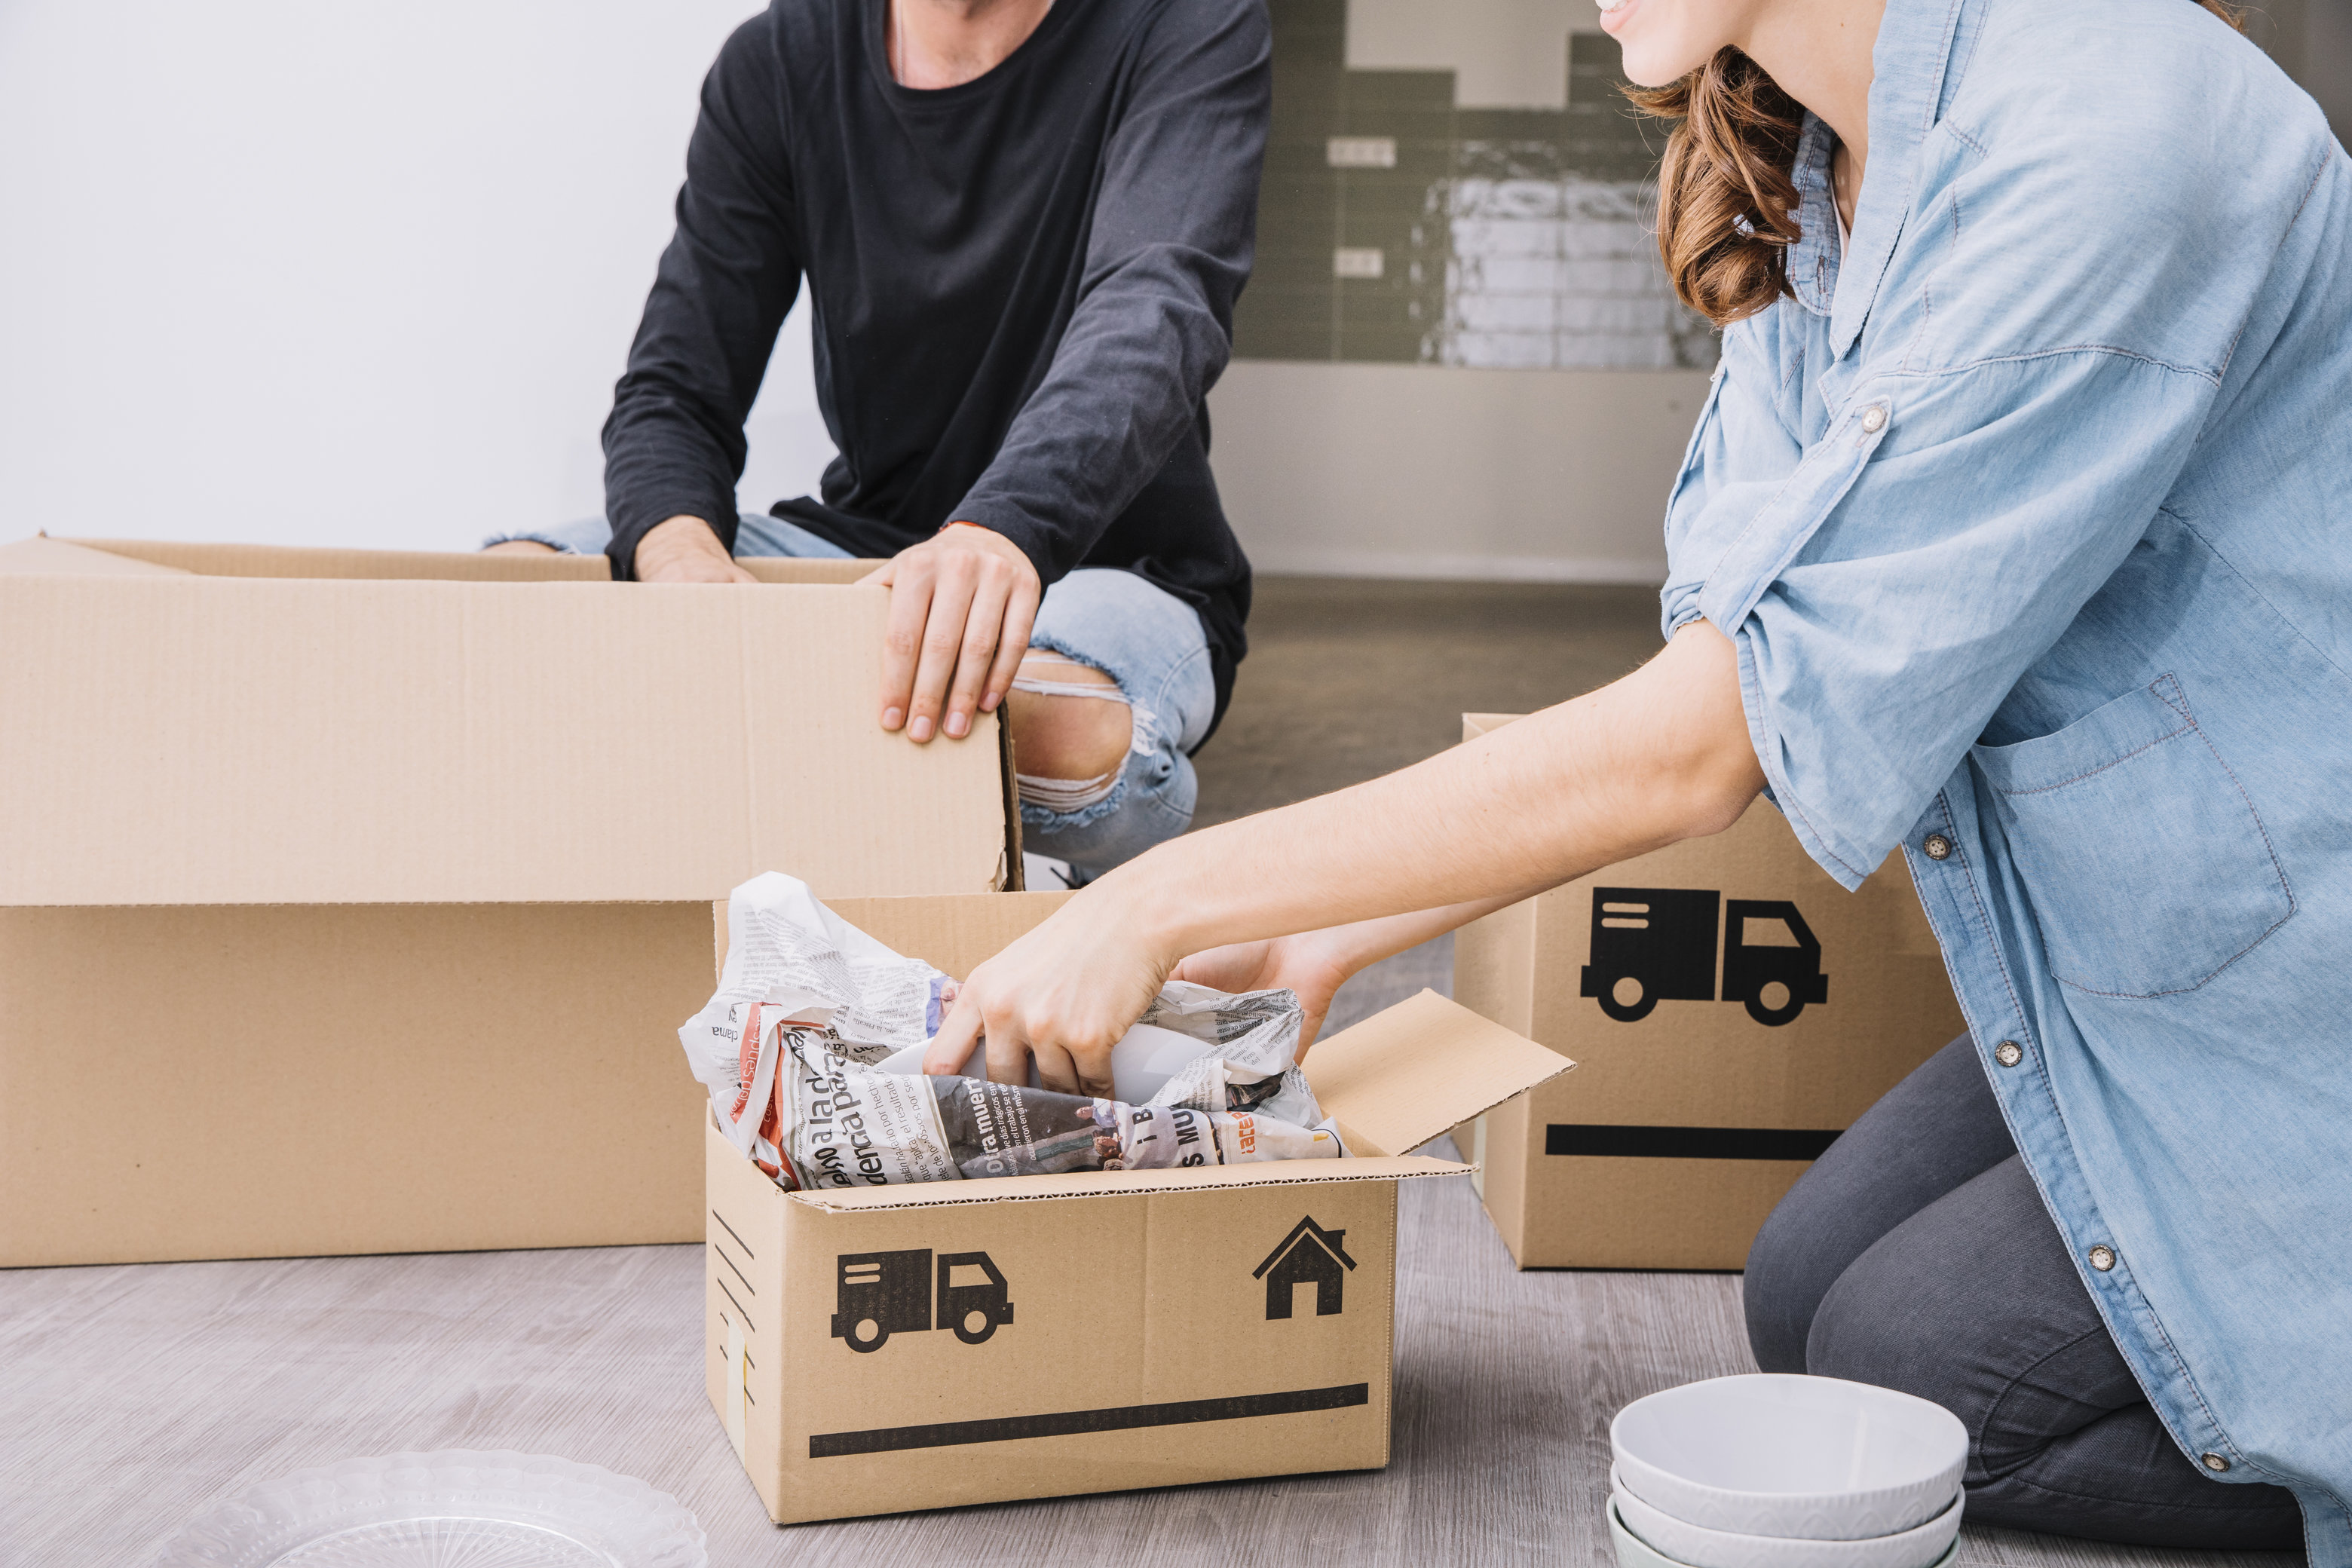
1394 1081
244 724
43 556
281 560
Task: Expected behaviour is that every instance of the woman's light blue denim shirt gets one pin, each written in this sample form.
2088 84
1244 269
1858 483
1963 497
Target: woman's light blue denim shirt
2030 517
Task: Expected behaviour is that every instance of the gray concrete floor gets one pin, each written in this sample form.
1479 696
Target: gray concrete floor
1348 680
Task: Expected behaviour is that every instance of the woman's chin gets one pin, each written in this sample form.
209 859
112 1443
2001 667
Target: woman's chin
1645 62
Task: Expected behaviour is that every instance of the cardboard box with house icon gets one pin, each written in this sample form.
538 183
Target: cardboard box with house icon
883 1349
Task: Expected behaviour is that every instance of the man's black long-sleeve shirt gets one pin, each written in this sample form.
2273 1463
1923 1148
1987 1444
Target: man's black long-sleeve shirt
1022 287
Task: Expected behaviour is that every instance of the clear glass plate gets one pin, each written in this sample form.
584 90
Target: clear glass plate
450 1510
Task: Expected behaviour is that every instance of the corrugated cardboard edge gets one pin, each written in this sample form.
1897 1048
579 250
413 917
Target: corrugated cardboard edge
45 557
753 1427
1080 1185
1477 724
1014 879
214 559
1388 1347
219 560
1494 967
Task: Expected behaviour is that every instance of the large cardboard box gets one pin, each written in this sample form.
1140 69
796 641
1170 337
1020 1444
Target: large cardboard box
974 1342
1733 1008
345 895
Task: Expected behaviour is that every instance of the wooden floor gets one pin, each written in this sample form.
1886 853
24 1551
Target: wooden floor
131 1397
134 1397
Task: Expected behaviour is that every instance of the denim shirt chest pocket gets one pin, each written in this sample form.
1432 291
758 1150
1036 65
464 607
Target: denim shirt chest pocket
2147 868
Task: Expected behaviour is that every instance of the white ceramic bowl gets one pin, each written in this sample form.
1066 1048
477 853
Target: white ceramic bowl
1633 1552
1814 1458
1701 1548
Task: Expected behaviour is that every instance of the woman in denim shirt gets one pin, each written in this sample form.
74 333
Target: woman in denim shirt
2016 535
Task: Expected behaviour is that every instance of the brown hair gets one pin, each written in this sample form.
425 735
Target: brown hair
1727 187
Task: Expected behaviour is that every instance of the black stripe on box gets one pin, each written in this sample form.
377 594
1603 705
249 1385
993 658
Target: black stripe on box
1687 1142
1063 1422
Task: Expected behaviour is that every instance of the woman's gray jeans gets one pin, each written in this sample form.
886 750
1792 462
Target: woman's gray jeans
1917 1255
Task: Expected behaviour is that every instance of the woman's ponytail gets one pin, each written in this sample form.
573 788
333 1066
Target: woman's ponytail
1727 197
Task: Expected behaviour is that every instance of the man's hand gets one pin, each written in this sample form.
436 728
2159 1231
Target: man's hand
685 550
961 603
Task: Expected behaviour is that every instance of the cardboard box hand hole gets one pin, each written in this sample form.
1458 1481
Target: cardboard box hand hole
878 1348
353 813
1734 1009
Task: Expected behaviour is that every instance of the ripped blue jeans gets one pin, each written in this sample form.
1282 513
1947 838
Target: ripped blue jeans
1147 640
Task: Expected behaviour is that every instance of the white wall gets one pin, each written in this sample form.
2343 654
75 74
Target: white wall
1405 470
1504 54
322 271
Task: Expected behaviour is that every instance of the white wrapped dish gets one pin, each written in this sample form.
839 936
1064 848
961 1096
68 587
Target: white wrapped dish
813 1047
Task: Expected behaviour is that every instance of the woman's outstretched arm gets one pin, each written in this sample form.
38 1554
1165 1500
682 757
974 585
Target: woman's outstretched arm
1660 756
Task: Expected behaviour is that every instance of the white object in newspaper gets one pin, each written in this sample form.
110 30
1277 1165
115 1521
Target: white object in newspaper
812 1050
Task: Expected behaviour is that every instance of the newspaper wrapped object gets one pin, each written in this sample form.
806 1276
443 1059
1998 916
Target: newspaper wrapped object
811 1050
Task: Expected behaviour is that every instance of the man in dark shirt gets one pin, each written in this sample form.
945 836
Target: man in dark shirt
1022 224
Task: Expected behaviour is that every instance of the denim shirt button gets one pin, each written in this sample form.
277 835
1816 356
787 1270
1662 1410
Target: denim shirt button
2215 1462
1874 419
1937 847
2008 1053
2103 1257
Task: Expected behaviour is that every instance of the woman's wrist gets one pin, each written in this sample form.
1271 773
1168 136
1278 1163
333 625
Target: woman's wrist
1137 898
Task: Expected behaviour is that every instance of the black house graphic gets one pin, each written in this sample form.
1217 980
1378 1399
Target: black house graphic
1308 1255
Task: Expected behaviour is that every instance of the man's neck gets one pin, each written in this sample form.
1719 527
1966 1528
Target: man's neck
1818 54
946 43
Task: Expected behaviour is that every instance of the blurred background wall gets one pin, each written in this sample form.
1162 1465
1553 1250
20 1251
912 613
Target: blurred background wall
313 272
317 271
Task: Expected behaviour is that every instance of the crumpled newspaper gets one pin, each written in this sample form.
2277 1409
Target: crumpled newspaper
811 1048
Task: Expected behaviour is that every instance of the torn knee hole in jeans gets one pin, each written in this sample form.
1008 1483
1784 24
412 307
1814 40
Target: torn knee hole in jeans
1065 795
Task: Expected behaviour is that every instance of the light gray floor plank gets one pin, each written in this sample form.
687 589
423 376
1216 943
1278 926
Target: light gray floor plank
1429 967
130 1397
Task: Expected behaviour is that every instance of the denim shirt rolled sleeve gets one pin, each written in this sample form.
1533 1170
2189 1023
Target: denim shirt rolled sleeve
1871 659
2029 516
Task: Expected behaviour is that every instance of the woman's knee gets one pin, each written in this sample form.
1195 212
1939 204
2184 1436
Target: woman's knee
1935 1130
1972 1302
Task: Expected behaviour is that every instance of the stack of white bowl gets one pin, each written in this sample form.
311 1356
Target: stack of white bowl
1773 1471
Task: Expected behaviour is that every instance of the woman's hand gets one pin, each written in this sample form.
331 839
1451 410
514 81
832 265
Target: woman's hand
1063 993
1307 965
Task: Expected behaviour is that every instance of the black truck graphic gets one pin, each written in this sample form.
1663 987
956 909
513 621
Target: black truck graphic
883 1293
1658 944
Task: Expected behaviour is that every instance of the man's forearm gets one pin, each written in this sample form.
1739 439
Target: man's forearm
1659 756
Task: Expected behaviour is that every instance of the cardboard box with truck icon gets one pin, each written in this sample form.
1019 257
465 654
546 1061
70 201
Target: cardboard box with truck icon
884 1348
1733 1010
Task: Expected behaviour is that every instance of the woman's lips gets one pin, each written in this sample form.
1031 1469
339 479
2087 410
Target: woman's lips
1613 16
